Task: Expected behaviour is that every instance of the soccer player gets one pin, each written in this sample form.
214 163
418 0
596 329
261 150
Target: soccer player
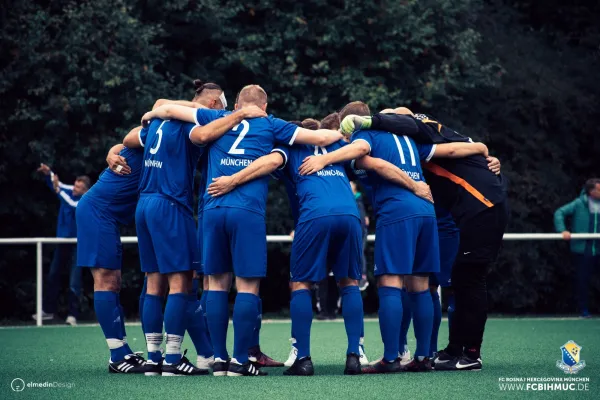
402 216
109 204
164 222
234 224
477 201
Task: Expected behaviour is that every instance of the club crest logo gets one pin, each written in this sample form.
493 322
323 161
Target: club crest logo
571 362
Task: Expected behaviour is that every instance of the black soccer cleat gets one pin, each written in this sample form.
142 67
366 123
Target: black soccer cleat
352 365
301 367
183 368
415 365
137 356
220 367
444 357
152 368
384 367
462 363
129 365
245 369
260 359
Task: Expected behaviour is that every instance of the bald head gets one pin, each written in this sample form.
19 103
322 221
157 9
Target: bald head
252 95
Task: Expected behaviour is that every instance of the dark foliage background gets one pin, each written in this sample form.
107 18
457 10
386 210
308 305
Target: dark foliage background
519 75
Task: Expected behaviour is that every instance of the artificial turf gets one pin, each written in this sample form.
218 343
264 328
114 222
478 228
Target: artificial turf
513 348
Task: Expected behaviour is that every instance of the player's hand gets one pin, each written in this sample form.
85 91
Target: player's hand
44 169
56 183
146 119
253 112
292 233
566 235
311 164
221 186
353 123
493 164
423 190
118 164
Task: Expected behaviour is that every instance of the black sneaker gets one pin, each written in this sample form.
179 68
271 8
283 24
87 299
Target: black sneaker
220 367
301 367
245 369
152 368
129 365
352 365
443 357
384 367
463 363
183 368
415 365
137 356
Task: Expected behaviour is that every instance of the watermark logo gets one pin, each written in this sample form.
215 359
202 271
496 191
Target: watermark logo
571 362
17 385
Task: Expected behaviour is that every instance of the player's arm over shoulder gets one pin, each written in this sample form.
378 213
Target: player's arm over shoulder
459 150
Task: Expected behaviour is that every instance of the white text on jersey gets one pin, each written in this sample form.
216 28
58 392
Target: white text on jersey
236 162
153 163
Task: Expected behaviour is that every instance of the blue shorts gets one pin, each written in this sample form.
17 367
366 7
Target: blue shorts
200 269
448 250
98 237
234 240
333 241
406 247
166 236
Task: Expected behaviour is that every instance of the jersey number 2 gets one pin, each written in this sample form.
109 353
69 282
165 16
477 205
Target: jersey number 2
245 128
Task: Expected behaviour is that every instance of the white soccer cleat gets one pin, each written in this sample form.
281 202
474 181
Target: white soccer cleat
364 361
71 320
204 362
293 354
45 316
405 357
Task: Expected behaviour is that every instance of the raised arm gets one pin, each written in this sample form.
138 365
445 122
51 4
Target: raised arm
394 174
214 130
354 150
185 103
460 150
132 139
394 123
170 111
259 168
320 137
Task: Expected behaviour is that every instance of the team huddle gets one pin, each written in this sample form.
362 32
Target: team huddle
419 246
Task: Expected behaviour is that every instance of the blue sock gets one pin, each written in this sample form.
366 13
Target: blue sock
141 304
437 321
256 333
203 305
196 327
352 311
405 324
390 317
175 323
107 311
422 308
245 314
123 332
153 324
217 315
301 313
451 306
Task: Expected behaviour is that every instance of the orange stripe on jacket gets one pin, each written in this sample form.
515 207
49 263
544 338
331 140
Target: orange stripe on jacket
439 171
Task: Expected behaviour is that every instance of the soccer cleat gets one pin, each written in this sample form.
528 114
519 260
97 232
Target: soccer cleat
352 365
364 361
405 356
384 367
45 316
293 354
129 365
260 359
245 369
220 367
416 365
152 368
71 320
205 362
443 357
137 356
462 363
183 368
301 367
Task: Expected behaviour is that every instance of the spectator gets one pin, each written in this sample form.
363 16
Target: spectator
69 196
364 222
585 214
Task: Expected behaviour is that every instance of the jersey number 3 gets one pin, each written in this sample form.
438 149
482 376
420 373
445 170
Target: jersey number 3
245 128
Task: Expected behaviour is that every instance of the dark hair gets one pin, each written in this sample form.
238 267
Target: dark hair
199 86
590 184
297 123
312 124
85 179
356 108
332 121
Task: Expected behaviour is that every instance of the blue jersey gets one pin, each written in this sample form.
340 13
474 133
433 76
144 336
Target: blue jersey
117 195
325 193
203 184
170 160
65 226
237 149
392 202
283 174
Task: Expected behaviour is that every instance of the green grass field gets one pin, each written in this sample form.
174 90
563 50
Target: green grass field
513 348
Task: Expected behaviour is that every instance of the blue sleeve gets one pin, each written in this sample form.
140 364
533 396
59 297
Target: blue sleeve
48 180
285 152
363 135
206 116
143 135
283 131
425 151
